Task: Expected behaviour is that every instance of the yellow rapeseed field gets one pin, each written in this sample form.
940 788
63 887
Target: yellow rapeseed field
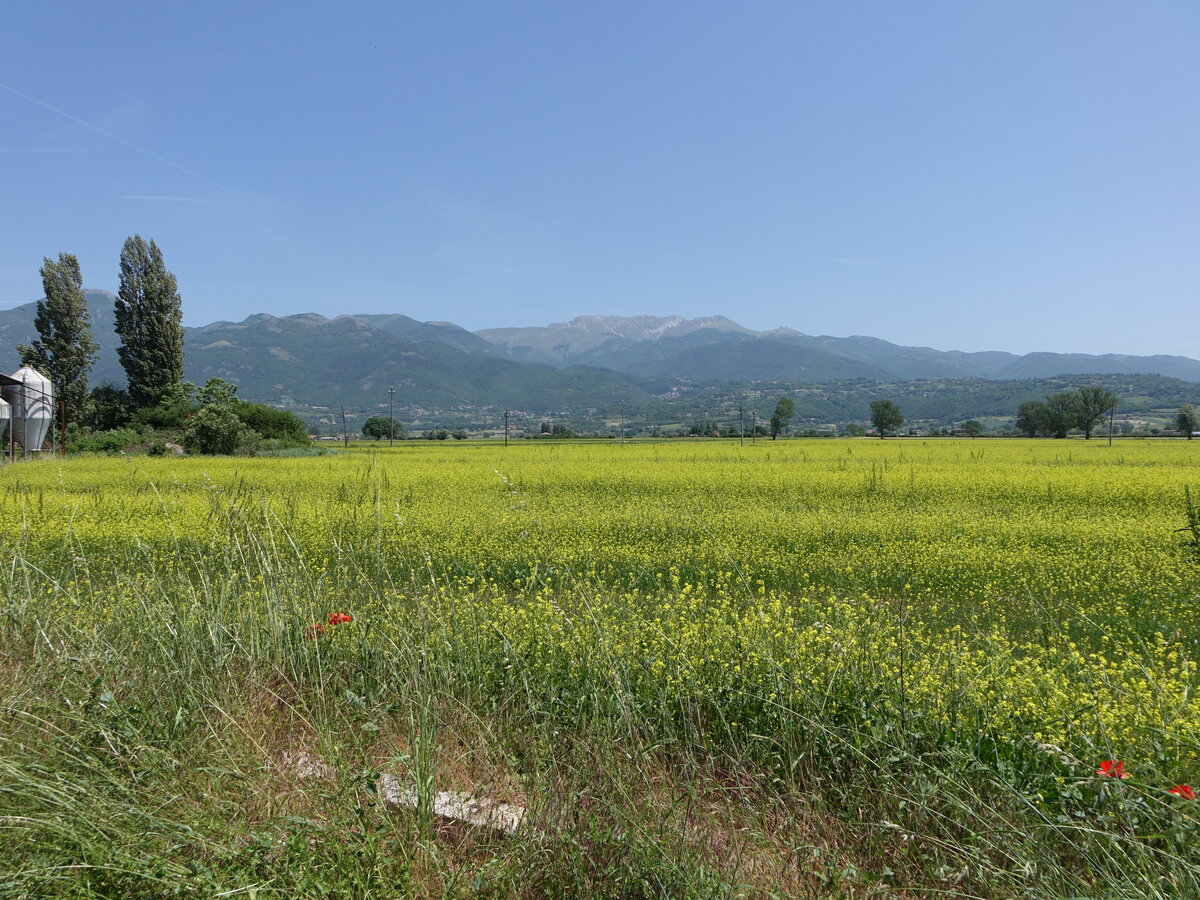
1029 594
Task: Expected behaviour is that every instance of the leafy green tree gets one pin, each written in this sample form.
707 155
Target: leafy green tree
972 427
1093 403
149 316
217 390
1062 413
886 417
109 407
1186 419
785 411
378 427
1032 418
175 405
66 349
459 434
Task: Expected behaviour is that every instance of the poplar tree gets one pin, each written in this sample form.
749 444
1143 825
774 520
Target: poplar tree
66 349
149 322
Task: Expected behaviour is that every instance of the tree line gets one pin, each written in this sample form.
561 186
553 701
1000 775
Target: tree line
1055 416
1061 412
1083 409
149 323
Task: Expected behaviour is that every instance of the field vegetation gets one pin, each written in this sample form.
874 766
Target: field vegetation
803 668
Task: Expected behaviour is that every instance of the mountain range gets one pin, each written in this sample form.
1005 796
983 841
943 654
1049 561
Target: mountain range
716 348
581 368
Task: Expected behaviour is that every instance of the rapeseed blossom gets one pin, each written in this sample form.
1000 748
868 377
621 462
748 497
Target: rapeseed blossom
1027 591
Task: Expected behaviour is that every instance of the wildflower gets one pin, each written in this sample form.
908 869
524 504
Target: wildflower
340 618
312 632
1112 768
1183 790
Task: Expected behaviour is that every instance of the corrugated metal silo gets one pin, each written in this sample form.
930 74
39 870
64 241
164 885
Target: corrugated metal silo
31 399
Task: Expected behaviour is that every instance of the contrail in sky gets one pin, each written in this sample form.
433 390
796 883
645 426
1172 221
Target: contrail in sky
119 140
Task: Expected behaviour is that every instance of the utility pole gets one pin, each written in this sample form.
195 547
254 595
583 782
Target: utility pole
742 423
622 421
1111 415
391 420
345 433
754 426
506 428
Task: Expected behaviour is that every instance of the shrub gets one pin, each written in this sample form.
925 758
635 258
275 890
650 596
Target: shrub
112 441
171 412
216 429
271 423
109 407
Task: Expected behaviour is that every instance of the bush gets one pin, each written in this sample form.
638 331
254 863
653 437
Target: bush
109 407
172 411
271 423
216 429
112 441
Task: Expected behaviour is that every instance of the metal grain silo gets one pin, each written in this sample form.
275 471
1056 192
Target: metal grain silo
31 398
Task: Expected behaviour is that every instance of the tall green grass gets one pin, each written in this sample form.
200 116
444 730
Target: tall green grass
154 689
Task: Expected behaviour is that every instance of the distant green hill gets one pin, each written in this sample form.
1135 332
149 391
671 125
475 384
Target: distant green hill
317 363
438 332
761 359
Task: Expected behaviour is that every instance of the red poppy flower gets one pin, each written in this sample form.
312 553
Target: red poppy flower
1112 768
340 618
312 632
1183 790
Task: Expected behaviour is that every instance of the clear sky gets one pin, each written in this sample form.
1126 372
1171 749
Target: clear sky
962 175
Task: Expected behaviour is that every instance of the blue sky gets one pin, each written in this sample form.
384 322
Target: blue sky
987 175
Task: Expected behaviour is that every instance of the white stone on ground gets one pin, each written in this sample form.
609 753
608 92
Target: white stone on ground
454 805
